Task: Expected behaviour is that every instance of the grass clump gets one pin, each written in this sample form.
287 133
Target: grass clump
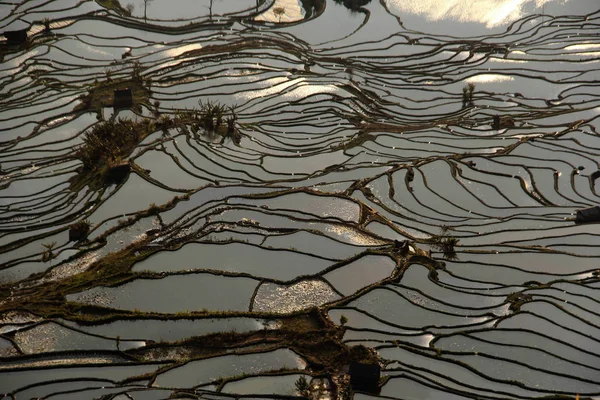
445 243
210 120
216 118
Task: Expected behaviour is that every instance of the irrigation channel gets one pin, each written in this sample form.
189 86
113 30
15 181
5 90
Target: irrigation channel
240 198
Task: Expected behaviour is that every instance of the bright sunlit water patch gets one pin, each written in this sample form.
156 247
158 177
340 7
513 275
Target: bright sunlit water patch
283 11
177 51
490 78
491 13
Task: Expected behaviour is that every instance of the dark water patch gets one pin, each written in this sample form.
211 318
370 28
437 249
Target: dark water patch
153 295
171 330
101 375
215 368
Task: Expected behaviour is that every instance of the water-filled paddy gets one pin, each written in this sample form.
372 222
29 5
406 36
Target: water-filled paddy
297 185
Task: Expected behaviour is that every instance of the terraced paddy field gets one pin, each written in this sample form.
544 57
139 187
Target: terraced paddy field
240 198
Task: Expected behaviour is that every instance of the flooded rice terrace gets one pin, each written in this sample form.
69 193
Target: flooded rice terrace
242 198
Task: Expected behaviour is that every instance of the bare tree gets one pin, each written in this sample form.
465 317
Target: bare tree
145 9
278 12
210 8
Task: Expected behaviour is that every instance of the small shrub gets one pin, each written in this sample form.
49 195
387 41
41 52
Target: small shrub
471 87
467 97
302 386
165 122
353 5
153 209
136 72
108 73
79 230
156 111
46 23
445 243
48 255
211 115
279 12
232 132
343 320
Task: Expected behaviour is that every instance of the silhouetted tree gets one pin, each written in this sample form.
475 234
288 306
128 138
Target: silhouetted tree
353 5
146 9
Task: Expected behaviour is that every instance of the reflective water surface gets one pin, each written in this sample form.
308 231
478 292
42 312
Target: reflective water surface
390 181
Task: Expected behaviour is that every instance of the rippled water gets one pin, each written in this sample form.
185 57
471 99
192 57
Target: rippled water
357 132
